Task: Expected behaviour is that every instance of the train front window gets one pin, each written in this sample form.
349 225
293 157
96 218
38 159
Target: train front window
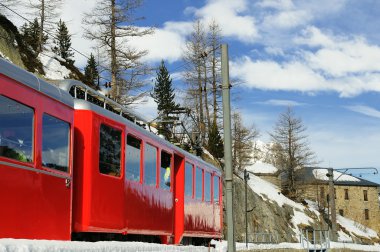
189 180
199 183
216 189
150 166
133 159
16 130
109 150
165 170
55 143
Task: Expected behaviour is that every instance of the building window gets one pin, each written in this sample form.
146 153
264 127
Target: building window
133 158
346 194
366 214
55 143
16 130
341 212
165 170
198 183
109 150
150 165
189 180
207 187
216 189
365 194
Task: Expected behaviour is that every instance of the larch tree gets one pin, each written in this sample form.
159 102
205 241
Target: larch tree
292 149
47 12
242 142
163 95
111 24
195 75
215 143
62 42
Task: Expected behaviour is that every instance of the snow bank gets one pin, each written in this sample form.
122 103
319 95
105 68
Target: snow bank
16 245
260 167
53 69
356 228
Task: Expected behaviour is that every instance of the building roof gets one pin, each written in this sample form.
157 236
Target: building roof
314 175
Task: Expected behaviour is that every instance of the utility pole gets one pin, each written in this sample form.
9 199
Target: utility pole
228 149
332 203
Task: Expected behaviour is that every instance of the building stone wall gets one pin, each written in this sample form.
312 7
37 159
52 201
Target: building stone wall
271 178
354 207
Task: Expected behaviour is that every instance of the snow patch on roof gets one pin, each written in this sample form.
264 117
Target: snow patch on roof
260 167
321 175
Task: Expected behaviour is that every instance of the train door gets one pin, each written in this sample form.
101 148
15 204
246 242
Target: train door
178 193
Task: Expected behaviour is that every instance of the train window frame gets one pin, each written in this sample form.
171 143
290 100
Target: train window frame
146 145
214 186
191 166
163 172
128 173
207 194
68 143
20 141
199 182
118 173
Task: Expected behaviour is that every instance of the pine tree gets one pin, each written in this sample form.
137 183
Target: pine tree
63 42
91 71
215 144
163 95
30 33
163 91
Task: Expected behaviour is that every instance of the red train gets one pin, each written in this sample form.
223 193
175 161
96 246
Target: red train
73 164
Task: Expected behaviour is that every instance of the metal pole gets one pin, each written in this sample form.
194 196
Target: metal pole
246 208
228 149
332 203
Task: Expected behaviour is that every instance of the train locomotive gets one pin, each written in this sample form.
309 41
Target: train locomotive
74 163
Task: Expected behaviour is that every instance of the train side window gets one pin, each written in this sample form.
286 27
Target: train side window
198 183
216 189
133 159
207 187
16 130
165 170
55 143
150 166
189 179
109 150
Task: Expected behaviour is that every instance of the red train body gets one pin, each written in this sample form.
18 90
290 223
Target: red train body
68 166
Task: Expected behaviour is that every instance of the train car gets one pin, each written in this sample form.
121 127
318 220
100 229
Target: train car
124 179
36 136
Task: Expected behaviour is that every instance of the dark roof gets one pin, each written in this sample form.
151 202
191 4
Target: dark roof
306 176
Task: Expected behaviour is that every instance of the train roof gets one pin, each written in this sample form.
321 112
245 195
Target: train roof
16 73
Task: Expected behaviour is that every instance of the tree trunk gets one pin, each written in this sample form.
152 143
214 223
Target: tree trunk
42 22
115 87
200 94
206 94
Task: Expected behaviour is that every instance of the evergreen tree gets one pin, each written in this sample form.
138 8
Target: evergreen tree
91 71
215 143
164 96
62 42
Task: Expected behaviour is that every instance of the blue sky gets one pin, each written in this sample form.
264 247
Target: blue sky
322 57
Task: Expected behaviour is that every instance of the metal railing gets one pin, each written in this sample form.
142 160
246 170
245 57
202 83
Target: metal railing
315 239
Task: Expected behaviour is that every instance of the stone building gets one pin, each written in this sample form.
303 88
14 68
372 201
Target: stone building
266 171
355 198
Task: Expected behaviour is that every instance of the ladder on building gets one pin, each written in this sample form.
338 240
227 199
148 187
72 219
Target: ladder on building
316 240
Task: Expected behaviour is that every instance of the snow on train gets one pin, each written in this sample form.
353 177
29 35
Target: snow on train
70 167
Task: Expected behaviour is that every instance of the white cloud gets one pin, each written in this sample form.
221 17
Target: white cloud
229 15
365 110
286 19
285 103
